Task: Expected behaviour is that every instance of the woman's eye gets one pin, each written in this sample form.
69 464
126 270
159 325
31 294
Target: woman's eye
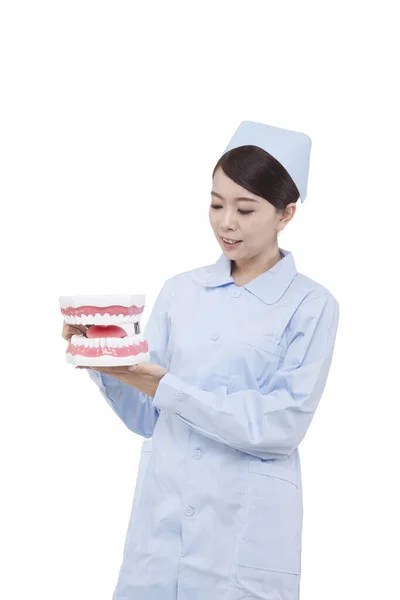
243 212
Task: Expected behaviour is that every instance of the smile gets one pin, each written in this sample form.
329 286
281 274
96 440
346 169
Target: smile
229 244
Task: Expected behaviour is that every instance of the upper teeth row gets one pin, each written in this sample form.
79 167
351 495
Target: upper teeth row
80 340
229 241
99 319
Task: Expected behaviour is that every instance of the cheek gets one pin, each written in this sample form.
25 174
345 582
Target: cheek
213 220
264 228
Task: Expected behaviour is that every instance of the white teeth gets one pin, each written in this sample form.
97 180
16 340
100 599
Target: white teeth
79 340
99 319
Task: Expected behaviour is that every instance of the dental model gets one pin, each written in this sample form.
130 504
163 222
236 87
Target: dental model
113 336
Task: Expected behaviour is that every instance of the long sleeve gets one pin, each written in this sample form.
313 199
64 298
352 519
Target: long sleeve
273 423
134 408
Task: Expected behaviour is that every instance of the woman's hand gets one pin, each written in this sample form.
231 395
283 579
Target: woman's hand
69 330
145 377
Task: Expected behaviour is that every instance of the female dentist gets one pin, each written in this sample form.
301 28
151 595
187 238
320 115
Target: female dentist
240 353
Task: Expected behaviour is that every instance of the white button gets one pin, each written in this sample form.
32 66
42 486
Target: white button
197 453
236 293
215 336
189 511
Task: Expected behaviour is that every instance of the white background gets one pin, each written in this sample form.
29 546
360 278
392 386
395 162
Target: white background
113 115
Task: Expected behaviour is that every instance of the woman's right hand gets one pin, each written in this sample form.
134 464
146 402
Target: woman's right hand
70 330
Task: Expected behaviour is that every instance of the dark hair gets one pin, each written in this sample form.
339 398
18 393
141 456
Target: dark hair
260 173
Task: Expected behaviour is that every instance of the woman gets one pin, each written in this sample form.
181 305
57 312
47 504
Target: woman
240 352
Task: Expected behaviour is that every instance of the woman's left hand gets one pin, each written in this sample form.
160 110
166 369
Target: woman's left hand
145 377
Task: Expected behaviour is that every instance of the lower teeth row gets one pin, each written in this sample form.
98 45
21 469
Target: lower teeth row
78 340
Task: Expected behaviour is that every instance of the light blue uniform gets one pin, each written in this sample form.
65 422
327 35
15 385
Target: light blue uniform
217 510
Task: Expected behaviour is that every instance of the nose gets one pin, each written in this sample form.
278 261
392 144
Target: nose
228 221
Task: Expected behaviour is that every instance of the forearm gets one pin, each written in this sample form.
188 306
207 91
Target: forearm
134 408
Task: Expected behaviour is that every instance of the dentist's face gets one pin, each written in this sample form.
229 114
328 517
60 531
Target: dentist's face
238 214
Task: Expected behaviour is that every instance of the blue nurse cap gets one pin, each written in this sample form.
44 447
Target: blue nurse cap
290 148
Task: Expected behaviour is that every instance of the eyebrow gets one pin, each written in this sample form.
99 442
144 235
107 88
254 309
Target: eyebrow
240 197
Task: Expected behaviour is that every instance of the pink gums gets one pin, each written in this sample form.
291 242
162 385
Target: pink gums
126 311
132 350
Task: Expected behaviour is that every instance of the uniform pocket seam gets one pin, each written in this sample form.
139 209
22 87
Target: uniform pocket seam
263 344
270 570
262 468
276 477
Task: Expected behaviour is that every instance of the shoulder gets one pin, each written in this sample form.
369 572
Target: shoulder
309 289
309 302
313 303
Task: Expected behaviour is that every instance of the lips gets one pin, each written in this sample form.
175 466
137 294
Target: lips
222 238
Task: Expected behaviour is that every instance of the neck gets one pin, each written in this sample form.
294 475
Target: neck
256 265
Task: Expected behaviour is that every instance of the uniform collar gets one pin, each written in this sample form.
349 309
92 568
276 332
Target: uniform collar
269 286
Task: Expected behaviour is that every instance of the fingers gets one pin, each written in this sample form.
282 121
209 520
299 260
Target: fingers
114 371
69 330
81 328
